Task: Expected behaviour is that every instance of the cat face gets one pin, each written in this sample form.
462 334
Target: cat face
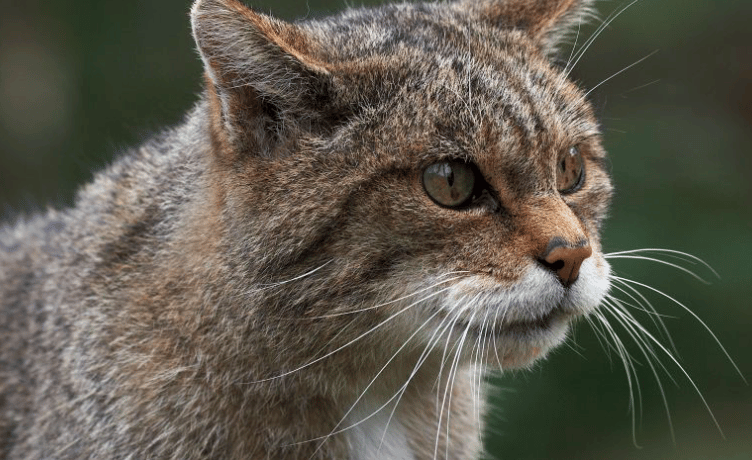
448 179
521 153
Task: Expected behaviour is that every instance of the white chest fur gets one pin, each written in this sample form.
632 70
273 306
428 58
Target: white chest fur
376 436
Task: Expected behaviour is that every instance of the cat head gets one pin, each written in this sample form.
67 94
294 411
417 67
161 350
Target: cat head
426 165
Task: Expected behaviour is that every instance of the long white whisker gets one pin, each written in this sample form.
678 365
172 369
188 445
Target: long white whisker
443 326
694 315
304 275
641 331
639 304
655 317
342 347
442 364
480 367
335 430
692 382
619 72
652 259
564 72
637 333
361 310
456 366
629 370
493 335
474 354
636 88
670 252
398 394
574 46
574 346
600 335
447 398
440 407
585 46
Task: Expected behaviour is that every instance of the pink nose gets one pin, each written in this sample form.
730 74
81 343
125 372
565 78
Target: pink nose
565 260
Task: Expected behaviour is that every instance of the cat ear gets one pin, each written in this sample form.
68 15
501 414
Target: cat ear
263 81
547 21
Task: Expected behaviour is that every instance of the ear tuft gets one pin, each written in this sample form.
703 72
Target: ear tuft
262 72
547 21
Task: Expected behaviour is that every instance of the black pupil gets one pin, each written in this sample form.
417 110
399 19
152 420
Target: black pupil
570 170
450 176
449 183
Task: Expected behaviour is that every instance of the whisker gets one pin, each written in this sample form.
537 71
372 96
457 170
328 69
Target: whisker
440 407
638 304
564 72
335 430
574 46
638 328
671 252
614 130
474 356
636 88
456 366
600 335
480 367
619 72
304 275
373 380
629 371
574 347
342 347
585 46
637 332
361 310
689 379
694 315
421 360
450 383
660 261
648 308
493 335
446 348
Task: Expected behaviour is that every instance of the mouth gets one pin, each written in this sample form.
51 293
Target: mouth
540 325
543 323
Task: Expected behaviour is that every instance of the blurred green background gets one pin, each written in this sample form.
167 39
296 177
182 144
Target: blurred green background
80 80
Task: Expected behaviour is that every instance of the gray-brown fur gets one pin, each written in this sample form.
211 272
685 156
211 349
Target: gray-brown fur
164 316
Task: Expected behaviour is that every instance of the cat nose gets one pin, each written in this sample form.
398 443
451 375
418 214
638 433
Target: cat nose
565 259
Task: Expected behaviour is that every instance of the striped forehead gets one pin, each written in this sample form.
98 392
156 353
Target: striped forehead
527 96
516 113
497 69
488 94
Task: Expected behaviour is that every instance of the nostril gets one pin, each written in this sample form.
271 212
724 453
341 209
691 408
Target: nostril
555 266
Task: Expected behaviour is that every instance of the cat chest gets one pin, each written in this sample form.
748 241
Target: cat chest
377 434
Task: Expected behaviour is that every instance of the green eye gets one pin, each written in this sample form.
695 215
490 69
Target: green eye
449 183
569 171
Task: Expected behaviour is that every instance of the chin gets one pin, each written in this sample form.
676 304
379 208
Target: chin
520 347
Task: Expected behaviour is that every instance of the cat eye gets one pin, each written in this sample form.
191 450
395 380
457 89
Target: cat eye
450 183
569 171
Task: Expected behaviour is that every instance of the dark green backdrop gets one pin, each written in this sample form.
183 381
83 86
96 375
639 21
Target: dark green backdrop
80 80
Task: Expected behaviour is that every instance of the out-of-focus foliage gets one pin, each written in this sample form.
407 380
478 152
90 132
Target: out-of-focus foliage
81 81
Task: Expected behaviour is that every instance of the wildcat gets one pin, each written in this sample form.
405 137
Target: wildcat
360 216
